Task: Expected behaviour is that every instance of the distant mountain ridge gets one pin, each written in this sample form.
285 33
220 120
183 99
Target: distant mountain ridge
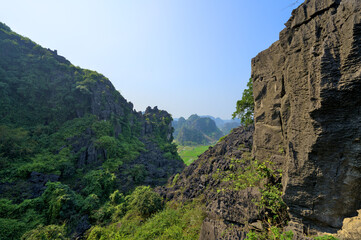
220 122
196 130
225 125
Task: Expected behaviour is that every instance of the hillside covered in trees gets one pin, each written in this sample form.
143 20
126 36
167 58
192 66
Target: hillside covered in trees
71 147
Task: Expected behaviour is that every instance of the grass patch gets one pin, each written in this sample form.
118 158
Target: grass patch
190 153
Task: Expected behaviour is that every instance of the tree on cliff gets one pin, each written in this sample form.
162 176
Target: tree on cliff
245 106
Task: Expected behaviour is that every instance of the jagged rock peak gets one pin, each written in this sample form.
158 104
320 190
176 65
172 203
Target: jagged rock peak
155 110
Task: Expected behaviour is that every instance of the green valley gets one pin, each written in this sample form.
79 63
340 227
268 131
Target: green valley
190 153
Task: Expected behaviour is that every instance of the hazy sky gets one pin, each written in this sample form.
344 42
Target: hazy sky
184 56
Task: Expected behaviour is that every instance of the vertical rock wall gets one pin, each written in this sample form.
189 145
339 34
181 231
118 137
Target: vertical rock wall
307 90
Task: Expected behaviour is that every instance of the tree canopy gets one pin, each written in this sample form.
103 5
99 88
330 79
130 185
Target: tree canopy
245 106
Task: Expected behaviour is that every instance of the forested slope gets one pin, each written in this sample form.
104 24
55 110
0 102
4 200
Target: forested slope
68 141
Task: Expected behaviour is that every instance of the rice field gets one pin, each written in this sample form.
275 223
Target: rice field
190 153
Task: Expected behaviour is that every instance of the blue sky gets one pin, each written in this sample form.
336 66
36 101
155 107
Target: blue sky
184 56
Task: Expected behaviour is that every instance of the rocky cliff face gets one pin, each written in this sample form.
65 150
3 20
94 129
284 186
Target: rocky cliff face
307 111
307 122
230 212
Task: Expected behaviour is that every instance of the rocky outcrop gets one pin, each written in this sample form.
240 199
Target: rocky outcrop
83 146
230 212
33 187
351 229
151 168
157 121
105 101
307 111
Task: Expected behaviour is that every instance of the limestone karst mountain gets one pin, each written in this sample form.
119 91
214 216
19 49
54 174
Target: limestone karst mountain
68 139
196 130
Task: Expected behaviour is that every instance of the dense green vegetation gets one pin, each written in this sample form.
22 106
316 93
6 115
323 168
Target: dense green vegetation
68 142
142 216
190 153
245 106
196 131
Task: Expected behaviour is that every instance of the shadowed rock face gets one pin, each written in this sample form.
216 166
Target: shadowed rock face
308 111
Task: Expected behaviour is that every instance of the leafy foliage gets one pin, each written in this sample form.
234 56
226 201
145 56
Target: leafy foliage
11 228
99 182
275 233
325 237
47 162
14 142
175 221
245 106
16 219
60 203
144 201
248 172
49 232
